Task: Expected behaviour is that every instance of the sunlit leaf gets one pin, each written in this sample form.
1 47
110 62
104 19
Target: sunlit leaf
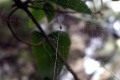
77 5
45 56
37 13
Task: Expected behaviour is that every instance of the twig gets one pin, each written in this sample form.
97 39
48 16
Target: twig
52 10
9 26
24 7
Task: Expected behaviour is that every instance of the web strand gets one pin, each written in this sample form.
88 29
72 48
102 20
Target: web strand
57 49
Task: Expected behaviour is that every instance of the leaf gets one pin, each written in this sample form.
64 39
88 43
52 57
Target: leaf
49 11
45 56
76 5
37 13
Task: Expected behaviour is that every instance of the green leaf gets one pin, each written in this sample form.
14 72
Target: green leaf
49 11
45 56
76 5
37 13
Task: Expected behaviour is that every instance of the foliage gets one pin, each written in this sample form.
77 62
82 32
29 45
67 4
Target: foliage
43 53
49 9
45 56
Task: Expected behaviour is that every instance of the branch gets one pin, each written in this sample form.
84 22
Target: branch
24 7
51 10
